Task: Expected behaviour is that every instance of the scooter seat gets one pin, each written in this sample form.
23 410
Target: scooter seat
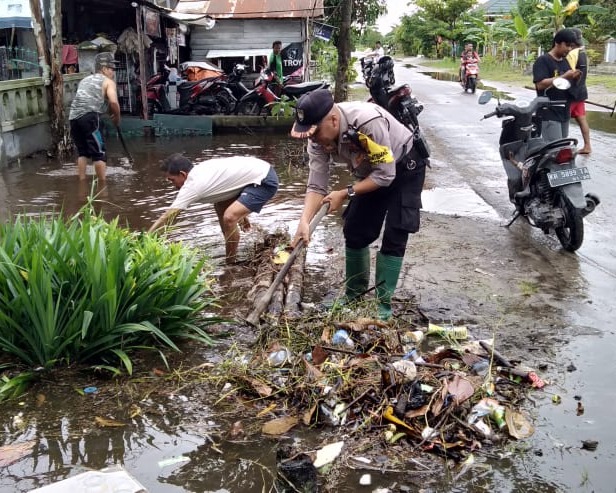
541 147
394 89
301 88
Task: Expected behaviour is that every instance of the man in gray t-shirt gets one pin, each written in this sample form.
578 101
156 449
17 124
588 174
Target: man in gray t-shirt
93 94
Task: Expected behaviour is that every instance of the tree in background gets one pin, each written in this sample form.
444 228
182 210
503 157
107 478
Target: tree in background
349 16
418 35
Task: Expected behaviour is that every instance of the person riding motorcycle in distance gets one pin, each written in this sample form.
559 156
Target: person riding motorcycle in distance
468 56
389 178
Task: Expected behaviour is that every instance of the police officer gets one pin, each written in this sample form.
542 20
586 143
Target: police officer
389 178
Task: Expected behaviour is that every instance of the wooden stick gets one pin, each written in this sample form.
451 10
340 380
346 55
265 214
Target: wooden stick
126 151
261 304
603 106
497 356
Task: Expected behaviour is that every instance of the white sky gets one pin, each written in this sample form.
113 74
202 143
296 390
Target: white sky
395 10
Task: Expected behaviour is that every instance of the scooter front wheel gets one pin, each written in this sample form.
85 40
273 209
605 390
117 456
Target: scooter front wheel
571 233
250 106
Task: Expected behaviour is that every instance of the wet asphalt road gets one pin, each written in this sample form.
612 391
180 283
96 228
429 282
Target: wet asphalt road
465 150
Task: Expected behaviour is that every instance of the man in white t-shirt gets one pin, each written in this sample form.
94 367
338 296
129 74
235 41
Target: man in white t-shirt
378 52
236 186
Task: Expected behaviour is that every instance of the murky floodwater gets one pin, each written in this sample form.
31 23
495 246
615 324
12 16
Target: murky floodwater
67 441
175 426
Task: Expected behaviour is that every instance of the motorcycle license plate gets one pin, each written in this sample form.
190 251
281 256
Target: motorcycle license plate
567 176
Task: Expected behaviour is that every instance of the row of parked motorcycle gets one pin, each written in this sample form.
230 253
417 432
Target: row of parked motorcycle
224 93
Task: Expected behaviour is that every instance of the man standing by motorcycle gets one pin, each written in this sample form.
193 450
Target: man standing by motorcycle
468 56
275 65
554 120
549 66
390 175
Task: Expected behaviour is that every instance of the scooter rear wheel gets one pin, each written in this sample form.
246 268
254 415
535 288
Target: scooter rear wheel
571 234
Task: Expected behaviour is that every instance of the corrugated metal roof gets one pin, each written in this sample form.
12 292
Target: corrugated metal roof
251 9
496 6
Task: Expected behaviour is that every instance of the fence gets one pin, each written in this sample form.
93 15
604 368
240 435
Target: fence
18 63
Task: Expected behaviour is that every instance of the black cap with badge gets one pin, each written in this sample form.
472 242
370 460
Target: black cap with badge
310 109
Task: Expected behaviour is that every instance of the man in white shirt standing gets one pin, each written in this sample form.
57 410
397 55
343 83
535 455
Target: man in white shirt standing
236 186
378 52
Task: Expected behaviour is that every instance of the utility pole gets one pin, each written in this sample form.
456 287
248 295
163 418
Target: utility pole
344 51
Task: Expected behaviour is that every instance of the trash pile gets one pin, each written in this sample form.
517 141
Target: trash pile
431 389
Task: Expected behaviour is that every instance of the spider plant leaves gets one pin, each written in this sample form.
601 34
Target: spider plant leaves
86 290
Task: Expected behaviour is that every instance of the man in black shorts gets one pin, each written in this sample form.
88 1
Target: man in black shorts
92 94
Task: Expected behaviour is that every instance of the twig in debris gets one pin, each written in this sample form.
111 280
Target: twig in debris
356 400
343 351
495 354
436 427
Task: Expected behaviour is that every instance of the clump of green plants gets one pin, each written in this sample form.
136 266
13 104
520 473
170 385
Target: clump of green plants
85 290
528 288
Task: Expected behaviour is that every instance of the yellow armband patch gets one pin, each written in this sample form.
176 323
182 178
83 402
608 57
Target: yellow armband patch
377 153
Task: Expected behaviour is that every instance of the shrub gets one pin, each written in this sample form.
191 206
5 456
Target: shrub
88 291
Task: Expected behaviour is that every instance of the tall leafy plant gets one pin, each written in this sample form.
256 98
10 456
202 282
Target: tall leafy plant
89 291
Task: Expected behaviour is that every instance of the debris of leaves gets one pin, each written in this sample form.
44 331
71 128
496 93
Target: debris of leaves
439 395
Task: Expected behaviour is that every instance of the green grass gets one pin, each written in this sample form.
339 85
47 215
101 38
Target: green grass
528 288
89 291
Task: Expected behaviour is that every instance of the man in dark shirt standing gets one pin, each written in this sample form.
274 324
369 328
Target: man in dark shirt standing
549 66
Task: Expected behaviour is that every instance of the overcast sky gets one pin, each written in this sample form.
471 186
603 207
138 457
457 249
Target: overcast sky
395 10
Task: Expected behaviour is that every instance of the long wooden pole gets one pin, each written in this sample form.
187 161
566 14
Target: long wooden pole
59 126
261 304
142 74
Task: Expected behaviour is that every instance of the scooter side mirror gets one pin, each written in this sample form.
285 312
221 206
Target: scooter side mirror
485 97
561 83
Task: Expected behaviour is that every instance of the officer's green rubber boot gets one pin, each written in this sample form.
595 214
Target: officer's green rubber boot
357 272
387 273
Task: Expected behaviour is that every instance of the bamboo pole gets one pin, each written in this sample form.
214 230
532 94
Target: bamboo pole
261 304
142 74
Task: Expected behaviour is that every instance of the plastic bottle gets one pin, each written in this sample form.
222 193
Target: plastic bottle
341 338
459 332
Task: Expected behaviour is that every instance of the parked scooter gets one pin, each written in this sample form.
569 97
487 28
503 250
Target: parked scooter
262 97
208 96
398 100
234 81
543 178
367 64
156 90
470 74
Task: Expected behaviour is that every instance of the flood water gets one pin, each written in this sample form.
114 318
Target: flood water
179 442
68 442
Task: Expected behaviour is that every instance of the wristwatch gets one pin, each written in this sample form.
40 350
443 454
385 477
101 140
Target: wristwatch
350 192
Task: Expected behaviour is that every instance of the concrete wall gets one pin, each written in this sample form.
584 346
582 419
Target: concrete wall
24 115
